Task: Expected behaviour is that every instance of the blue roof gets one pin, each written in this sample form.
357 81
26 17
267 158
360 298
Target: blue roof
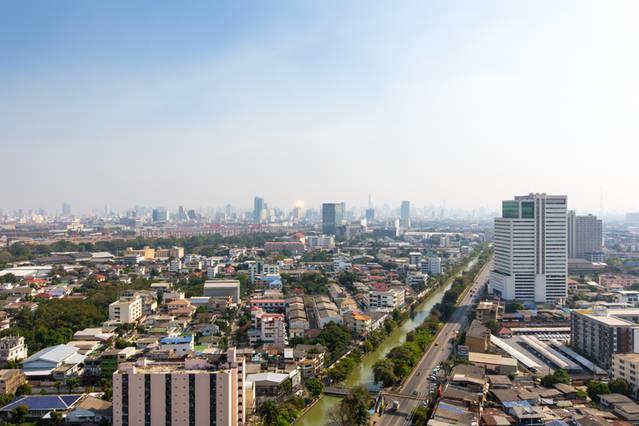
176 340
44 402
450 407
511 404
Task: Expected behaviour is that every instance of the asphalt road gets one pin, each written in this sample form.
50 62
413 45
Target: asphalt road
418 385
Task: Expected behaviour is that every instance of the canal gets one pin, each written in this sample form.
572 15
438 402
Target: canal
319 414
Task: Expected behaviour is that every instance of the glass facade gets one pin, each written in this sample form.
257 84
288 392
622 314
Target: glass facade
528 209
510 209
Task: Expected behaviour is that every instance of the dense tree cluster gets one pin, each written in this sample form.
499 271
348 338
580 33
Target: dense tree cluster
559 376
208 245
401 359
341 369
55 321
274 414
312 282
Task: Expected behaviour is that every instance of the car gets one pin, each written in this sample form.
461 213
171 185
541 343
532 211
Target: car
436 344
414 392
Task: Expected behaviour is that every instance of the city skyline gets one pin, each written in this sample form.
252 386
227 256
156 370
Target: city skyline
430 101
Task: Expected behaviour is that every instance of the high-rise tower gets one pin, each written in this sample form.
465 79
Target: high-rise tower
531 249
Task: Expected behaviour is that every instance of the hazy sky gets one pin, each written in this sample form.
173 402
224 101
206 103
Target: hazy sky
203 103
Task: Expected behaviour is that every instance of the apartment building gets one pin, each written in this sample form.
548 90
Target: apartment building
626 366
358 323
612 281
585 237
600 333
320 242
432 265
192 392
270 305
125 311
256 268
383 299
12 348
267 328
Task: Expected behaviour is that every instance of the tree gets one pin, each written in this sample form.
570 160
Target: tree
620 386
315 387
384 372
492 325
559 376
58 386
269 413
513 307
353 410
19 413
24 389
420 416
596 388
286 387
72 383
56 418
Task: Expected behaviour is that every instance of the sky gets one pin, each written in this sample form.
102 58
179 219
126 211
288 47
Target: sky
207 103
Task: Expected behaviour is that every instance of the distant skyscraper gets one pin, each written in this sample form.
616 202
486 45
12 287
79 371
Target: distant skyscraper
531 249
161 214
333 215
66 209
182 214
258 207
404 218
585 237
370 215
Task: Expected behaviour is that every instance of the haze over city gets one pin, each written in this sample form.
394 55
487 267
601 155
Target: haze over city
462 102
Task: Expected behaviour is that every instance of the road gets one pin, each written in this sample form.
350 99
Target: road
418 383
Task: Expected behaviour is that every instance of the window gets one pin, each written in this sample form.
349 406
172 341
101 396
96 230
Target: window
510 209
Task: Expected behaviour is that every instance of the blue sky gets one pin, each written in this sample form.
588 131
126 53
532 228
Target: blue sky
203 103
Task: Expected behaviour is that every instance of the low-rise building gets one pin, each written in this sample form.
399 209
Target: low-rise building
59 360
270 305
358 323
489 310
181 345
325 311
494 363
477 337
223 288
11 380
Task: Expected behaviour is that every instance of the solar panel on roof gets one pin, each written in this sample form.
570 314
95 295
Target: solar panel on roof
44 402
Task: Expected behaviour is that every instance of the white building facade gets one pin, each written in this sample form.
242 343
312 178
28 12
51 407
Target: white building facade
531 249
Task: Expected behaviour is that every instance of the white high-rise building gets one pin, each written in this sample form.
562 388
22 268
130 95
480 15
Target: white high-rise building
585 237
531 249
